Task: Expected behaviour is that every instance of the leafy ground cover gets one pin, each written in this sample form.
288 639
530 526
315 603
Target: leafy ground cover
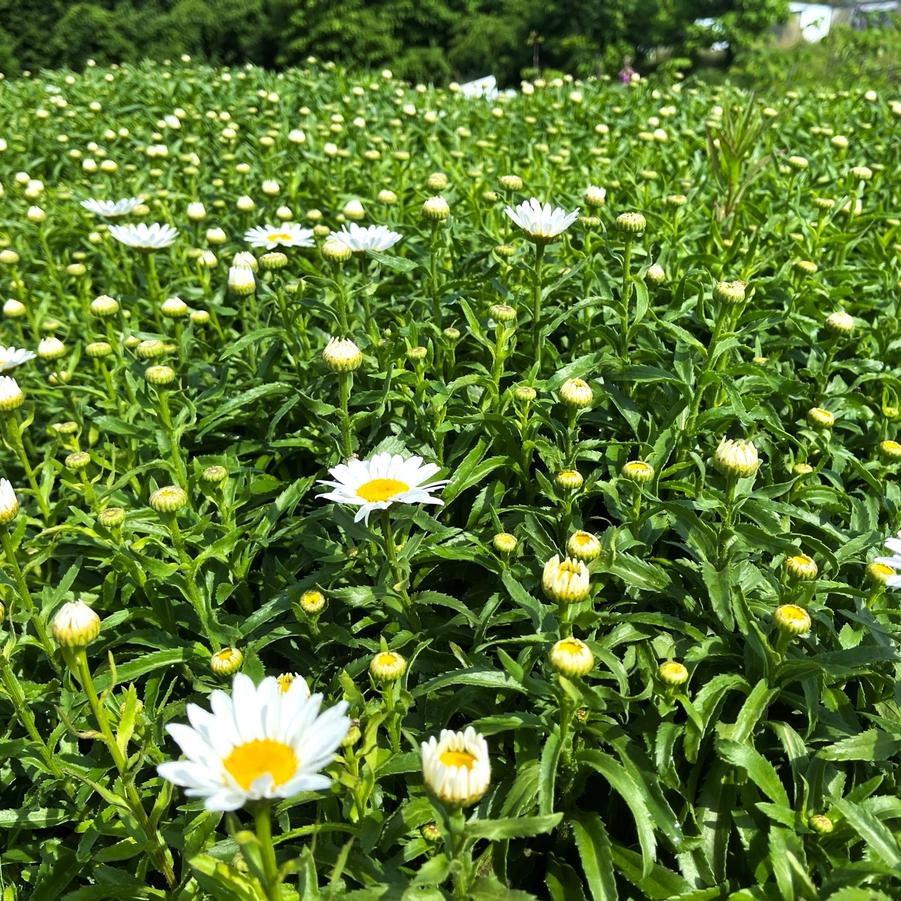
607 483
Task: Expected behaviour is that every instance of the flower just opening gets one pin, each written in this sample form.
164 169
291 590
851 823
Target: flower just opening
258 743
571 657
736 458
542 223
566 581
456 767
381 481
75 625
287 234
792 620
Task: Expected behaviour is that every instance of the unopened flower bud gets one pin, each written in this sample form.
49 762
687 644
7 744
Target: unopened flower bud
387 666
75 625
226 662
168 499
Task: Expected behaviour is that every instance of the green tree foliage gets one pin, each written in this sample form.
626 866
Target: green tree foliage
421 40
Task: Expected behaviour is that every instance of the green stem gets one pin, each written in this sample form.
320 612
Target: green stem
626 293
263 822
433 275
536 304
181 472
14 437
344 384
341 300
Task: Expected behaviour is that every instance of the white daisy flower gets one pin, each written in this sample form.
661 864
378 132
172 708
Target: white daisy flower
541 223
144 237
111 209
373 237
286 234
10 357
456 766
893 562
381 481
259 743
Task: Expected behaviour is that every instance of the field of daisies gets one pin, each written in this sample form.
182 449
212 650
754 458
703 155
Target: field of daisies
414 495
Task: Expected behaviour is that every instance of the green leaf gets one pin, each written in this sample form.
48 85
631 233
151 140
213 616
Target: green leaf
512 827
596 855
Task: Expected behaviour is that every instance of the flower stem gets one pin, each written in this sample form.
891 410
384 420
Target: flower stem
626 293
536 303
263 822
14 437
344 383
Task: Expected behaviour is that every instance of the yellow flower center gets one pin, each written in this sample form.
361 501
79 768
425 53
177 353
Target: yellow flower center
279 236
570 646
381 489
458 758
793 614
256 758
568 569
888 445
284 682
583 538
882 569
386 658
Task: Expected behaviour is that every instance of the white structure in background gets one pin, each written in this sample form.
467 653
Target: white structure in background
482 87
816 19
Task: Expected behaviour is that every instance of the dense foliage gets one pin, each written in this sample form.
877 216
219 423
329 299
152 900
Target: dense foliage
845 58
422 40
708 312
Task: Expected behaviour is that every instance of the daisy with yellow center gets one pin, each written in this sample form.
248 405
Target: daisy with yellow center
566 581
456 766
258 743
885 569
285 235
382 480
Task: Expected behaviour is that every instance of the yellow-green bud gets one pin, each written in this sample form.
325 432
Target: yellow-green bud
571 657
792 620
214 475
312 602
631 223
729 292
226 662
820 418
168 499
111 517
504 543
637 471
75 625
387 666
159 376
801 568
569 479
78 461
672 673
583 546
576 393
